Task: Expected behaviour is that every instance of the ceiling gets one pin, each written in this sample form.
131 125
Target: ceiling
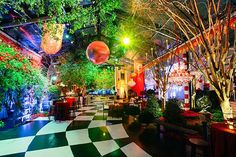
28 34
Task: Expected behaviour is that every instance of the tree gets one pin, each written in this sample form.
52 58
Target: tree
79 14
17 74
205 26
161 74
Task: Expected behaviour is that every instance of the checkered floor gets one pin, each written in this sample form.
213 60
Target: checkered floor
92 133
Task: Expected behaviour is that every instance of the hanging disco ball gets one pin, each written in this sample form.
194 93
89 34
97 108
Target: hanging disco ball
97 52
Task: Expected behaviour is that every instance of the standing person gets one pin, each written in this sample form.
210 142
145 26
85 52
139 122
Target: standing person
83 96
80 97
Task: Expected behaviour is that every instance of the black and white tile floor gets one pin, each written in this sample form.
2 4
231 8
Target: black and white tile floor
92 133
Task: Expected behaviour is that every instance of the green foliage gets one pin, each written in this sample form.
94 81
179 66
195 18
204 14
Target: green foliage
132 110
217 116
173 112
105 79
17 73
69 11
153 106
2 124
84 73
152 109
54 92
146 117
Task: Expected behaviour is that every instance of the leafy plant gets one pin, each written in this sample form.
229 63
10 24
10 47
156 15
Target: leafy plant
217 116
146 117
153 106
173 112
54 92
2 124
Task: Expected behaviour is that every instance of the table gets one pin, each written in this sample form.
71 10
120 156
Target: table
70 100
223 140
61 110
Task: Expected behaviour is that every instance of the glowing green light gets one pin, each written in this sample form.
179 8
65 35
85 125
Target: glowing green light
104 134
126 41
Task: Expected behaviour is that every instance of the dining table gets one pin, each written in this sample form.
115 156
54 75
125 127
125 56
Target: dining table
70 100
223 140
61 110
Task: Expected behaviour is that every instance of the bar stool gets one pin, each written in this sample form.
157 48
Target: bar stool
197 143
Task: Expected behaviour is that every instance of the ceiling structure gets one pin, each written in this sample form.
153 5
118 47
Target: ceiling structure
156 29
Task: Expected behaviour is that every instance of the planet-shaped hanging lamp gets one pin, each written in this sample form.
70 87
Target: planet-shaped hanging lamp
97 52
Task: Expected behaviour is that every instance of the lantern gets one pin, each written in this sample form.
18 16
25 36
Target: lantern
97 52
52 38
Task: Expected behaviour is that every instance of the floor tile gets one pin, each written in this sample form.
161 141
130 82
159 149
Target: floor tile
101 114
97 123
123 141
48 141
112 122
114 118
78 113
100 117
52 152
99 134
116 153
86 108
85 150
133 150
29 129
54 127
117 131
91 111
15 155
87 114
76 124
13 146
41 118
84 118
105 147
75 137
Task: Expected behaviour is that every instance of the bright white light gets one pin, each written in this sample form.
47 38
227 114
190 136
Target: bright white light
126 41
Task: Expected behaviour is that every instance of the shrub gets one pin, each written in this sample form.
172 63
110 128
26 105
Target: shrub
132 110
217 116
54 92
173 112
2 124
146 117
134 126
153 106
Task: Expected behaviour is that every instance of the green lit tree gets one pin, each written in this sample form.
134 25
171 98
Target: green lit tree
17 74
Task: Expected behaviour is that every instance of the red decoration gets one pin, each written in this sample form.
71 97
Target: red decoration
233 23
133 75
52 38
139 86
190 114
97 52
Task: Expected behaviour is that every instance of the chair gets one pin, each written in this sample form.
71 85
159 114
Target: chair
72 110
197 143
